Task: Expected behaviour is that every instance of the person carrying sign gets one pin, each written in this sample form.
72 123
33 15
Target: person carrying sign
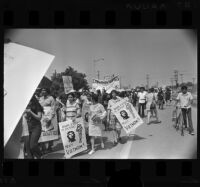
49 118
85 115
111 118
96 115
72 109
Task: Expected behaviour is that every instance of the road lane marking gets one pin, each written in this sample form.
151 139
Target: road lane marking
124 154
126 149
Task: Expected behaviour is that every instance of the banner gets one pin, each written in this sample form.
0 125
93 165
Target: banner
127 115
24 68
108 85
68 86
73 137
49 127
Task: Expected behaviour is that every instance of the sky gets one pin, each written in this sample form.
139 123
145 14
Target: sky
129 53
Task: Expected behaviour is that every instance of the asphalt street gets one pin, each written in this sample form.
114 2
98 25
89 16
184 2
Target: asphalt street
154 141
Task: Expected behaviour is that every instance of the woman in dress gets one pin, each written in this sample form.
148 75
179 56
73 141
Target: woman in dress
113 122
96 115
85 115
151 106
49 118
32 117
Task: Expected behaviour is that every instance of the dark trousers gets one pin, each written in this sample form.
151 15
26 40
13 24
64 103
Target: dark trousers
27 151
187 114
134 103
141 107
34 136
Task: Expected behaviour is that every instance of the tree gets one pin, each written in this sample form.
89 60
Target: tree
45 83
78 79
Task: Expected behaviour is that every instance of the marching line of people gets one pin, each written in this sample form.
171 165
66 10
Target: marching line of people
99 118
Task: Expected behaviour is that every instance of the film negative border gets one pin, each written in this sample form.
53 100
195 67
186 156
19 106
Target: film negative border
96 172
159 19
127 15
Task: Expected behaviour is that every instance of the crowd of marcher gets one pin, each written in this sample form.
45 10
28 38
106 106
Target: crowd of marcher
69 106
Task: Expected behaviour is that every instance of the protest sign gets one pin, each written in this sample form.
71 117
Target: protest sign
24 68
49 127
127 115
108 85
85 113
73 137
67 81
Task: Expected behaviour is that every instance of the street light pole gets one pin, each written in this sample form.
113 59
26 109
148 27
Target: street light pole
147 78
95 61
181 74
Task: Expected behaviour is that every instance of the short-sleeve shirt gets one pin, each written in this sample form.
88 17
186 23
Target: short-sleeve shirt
142 97
184 99
150 97
71 109
97 109
111 102
49 101
83 98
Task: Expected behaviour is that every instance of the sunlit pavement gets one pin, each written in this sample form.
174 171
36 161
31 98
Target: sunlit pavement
154 141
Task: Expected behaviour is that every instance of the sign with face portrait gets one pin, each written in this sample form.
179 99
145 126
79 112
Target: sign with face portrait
67 81
85 113
126 115
49 126
73 137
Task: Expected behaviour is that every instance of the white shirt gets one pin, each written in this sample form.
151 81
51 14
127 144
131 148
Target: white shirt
184 99
142 96
156 95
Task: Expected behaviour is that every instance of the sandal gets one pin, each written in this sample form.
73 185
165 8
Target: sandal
102 145
91 152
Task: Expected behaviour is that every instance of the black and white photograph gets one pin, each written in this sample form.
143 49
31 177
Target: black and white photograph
100 94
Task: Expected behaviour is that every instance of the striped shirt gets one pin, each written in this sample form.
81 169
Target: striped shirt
71 109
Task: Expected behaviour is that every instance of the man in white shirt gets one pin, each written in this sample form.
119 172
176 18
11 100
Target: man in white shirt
142 102
185 99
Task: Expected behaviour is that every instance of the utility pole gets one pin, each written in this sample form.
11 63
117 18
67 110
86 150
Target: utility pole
120 81
94 63
98 74
171 79
193 80
181 74
176 77
147 78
